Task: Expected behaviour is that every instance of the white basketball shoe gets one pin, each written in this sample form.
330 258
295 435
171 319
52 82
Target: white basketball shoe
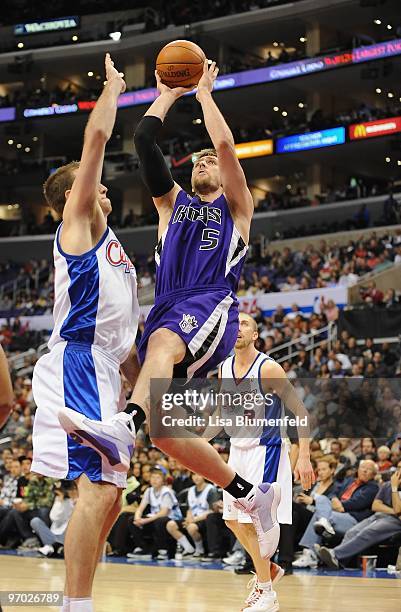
261 504
113 439
262 601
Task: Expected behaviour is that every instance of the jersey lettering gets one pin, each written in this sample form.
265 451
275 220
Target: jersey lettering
116 256
203 214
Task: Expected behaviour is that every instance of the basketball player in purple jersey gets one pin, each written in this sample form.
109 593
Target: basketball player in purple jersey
193 325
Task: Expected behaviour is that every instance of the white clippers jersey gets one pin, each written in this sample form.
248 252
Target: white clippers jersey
96 299
254 406
198 503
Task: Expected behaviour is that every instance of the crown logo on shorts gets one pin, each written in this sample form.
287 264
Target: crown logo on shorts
188 323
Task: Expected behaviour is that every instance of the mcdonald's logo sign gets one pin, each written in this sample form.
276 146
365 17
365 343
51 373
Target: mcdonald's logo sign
375 128
360 131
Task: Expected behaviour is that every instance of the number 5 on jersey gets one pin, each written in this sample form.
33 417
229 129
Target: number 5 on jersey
210 239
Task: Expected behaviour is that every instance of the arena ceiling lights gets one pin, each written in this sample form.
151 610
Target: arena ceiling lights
234 80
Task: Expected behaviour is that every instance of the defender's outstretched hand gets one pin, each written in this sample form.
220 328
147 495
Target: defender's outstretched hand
165 89
113 74
208 78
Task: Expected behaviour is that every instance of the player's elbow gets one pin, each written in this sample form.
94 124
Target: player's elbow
225 145
96 135
143 140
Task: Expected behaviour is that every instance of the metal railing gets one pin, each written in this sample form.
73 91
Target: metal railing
20 363
308 342
25 283
11 288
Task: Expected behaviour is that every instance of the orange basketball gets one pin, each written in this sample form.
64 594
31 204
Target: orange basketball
180 64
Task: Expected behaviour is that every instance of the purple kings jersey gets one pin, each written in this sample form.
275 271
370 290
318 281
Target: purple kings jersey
201 247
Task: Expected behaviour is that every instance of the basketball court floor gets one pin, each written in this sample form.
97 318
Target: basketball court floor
186 587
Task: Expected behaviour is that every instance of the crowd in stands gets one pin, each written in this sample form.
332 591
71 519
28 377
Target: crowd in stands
28 289
169 513
351 389
272 201
316 266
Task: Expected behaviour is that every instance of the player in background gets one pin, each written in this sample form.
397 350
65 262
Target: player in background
6 390
260 453
194 324
95 322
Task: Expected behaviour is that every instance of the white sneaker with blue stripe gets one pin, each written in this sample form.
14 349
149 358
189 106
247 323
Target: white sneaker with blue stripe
113 439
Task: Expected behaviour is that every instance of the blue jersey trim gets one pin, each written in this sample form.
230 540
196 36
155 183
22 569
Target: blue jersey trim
259 374
83 255
81 393
272 461
80 323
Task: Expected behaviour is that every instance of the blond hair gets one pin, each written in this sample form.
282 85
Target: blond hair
57 184
203 153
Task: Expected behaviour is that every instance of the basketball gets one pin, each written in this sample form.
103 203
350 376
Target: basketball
180 64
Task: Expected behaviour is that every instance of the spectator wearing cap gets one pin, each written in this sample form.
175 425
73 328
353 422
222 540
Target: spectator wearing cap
383 524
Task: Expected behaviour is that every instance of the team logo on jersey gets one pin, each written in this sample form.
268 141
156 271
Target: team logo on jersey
116 256
188 323
203 214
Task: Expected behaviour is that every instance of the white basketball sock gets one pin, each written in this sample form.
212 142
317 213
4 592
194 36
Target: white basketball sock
81 604
184 542
265 586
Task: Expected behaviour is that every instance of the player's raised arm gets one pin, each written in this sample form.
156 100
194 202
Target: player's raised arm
273 375
81 204
155 172
238 196
6 389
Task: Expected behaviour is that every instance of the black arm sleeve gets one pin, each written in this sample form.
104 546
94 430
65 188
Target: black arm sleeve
155 172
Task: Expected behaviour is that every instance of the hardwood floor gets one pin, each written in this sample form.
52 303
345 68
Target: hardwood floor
124 588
